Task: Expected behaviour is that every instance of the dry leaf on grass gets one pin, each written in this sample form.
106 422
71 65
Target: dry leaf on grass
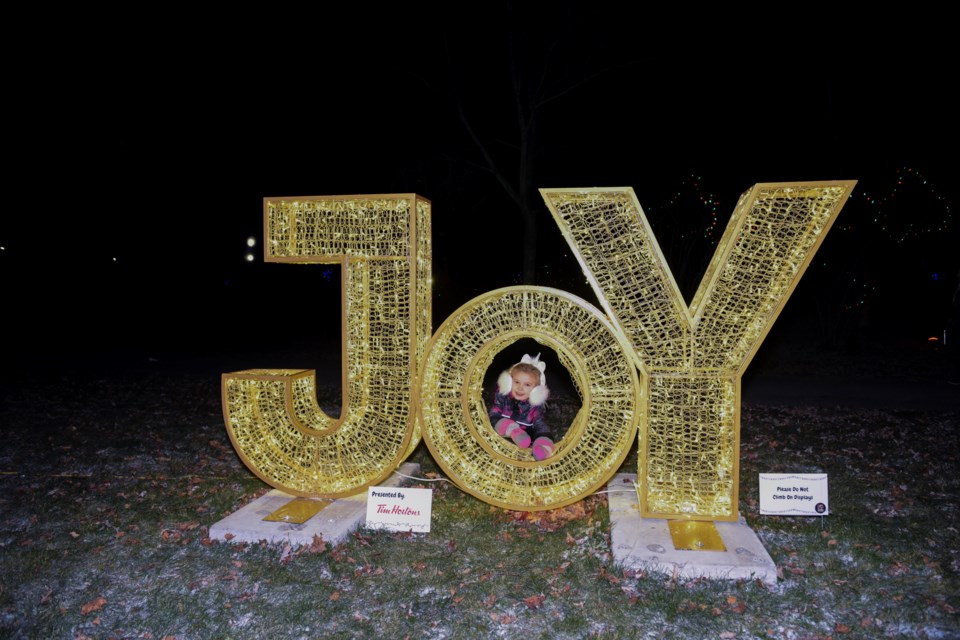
94 605
534 602
318 545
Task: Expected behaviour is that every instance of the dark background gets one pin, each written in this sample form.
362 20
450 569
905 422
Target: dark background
139 156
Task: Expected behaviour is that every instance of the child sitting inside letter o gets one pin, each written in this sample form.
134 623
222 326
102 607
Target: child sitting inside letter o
518 412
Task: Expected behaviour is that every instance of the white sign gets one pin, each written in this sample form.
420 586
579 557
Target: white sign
794 494
399 509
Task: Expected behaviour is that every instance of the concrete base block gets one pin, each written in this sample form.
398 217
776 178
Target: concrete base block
645 543
334 523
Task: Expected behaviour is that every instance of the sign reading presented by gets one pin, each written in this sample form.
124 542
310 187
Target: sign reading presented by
399 509
794 494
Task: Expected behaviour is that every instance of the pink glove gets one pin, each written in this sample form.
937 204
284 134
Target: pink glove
510 429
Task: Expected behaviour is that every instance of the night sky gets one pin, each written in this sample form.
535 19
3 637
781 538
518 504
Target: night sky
138 158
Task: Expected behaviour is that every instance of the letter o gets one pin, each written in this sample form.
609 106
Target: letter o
454 416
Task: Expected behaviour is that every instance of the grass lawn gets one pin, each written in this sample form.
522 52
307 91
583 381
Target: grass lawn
109 486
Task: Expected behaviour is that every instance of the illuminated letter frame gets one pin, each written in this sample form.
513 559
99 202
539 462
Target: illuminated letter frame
693 357
454 417
690 359
382 243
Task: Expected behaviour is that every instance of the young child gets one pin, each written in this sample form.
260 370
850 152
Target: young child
518 411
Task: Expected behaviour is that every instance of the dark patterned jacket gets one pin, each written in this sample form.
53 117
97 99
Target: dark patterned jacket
531 418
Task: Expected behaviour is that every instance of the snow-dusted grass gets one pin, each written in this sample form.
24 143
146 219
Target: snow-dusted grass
109 486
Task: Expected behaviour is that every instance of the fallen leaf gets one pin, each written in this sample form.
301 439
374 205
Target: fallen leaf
94 605
74 535
534 602
335 596
318 545
841 628
362 539
726 635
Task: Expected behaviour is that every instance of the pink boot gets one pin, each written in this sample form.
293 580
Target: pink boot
542 448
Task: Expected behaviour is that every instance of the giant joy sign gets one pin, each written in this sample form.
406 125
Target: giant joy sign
647 361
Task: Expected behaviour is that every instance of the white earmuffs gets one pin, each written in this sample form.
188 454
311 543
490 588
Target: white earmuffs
540 393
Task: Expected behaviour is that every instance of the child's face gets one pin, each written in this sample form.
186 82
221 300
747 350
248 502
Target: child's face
523 384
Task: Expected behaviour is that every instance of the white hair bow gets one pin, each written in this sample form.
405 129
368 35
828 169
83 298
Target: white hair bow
535 361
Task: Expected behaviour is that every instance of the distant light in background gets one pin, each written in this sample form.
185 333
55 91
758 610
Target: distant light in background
114 259
907 177
249 257
251 241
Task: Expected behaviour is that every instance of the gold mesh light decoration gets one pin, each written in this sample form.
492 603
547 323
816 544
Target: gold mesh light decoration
454 416
693 357
382 243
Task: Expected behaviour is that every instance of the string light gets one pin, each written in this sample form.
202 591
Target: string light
272 417
902 206
456 427
693 356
